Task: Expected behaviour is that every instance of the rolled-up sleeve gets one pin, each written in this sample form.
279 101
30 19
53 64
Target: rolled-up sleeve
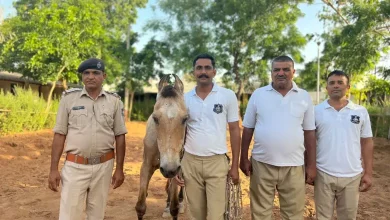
61 126
119 120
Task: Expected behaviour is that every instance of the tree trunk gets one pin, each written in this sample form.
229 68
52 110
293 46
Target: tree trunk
131 104
127 93
49 98
64 84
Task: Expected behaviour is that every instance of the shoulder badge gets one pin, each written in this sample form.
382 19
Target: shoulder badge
66 92
114 94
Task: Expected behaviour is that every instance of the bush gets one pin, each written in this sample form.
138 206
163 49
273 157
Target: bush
25 112
142 109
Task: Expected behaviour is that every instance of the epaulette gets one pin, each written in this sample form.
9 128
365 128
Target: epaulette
66 92
114 94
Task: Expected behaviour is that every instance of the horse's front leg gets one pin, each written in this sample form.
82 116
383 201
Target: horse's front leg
174 203
147 171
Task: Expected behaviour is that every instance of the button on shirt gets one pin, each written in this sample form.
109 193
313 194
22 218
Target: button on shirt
90 125
207 122
278 123
338 138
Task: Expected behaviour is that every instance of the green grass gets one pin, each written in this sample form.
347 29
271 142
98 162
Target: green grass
26 112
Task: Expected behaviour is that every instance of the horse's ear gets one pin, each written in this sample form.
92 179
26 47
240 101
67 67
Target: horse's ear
163 82
179 86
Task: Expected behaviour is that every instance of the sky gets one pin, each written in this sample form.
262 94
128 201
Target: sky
309 24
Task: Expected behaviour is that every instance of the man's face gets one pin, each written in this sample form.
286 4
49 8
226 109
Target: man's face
337 86
204 72
282 74
93 79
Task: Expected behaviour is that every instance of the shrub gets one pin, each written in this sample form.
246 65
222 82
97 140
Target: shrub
25 112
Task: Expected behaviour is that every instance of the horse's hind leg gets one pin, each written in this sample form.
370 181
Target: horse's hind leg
147 171
174 203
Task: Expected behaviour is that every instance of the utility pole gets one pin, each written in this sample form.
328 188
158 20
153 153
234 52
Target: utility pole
127 83
318 74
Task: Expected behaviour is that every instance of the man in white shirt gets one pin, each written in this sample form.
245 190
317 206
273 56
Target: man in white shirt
205 164
343 136
282 117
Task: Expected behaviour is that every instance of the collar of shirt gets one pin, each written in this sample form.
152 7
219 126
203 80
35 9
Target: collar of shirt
350 104
294 88
215 89
84 92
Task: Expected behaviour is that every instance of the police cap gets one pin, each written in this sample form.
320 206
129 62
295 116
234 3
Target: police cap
93 63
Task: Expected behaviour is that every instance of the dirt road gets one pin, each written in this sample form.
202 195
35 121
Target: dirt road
25 161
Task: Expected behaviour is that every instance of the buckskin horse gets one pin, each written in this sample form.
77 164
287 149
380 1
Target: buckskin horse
163 142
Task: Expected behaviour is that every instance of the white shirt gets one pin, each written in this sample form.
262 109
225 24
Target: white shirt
207 122
338 138
279 123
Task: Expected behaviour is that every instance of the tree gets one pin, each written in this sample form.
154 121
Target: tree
52 38
244 35
360 35
145 65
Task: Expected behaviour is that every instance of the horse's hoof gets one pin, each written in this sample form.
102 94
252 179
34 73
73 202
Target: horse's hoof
166 213
181 207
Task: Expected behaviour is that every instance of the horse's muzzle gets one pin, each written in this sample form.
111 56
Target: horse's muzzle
168 173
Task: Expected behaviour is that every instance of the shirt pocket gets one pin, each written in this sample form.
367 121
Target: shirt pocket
107 118
297 109
78 118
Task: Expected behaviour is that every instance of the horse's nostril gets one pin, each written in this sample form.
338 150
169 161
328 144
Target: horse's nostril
178 168
162 170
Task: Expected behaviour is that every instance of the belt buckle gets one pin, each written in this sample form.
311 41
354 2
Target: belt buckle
94 160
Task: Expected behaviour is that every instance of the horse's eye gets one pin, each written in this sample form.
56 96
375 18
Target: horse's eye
155 120
184 120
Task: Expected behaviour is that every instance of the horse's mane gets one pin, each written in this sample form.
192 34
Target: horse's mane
168 91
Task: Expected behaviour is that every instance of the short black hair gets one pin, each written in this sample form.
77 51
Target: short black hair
204 56
338 73
283 58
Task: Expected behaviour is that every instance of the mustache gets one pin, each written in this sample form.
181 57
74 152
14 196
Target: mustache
281 77
203 76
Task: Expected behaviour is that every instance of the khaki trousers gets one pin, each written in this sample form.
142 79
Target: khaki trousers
343 190
84 186
290 183
205 185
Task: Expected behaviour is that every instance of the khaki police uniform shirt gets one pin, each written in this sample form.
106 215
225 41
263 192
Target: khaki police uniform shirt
90 125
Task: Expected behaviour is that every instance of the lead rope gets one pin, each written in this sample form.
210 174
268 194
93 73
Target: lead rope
234 203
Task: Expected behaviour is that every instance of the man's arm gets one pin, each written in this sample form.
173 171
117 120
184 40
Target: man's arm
235 139
310 146
245 164
57 149
119 177
367 148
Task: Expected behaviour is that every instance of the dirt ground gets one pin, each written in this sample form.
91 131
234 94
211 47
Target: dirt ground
24 168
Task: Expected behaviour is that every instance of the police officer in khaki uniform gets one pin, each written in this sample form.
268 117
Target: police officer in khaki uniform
91 121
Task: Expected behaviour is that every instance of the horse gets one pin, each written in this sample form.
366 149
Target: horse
163 142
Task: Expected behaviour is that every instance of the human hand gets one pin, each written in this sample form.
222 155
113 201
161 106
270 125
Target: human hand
365 183
54 180
117 178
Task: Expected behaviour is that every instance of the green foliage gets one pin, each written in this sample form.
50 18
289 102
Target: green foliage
142 109
26 112
47 40
244 35
307 78
359 35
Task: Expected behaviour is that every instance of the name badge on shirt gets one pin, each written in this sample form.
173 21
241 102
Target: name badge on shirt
78 107
355 119
218 108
